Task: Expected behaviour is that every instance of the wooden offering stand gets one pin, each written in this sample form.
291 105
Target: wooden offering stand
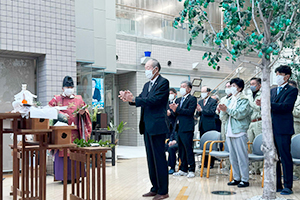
85 156
35 123
62 134
7 116
33 181
30 177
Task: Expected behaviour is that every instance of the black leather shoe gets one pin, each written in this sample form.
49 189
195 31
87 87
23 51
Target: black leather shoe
160 197
149 194
243 184
234 182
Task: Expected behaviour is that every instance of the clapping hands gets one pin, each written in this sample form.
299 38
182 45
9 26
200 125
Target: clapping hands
173 106
168 113
172 143
126 96
258 102
222 107
199 108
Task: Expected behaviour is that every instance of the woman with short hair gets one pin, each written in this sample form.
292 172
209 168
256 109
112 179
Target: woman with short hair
237 114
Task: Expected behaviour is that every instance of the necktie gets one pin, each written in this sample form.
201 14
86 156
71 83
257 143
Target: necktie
278 90
181 102
204 102
150 86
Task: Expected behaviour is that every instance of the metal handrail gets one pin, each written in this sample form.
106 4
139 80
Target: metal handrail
229 77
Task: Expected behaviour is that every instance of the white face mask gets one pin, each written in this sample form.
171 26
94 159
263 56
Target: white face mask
68 91
204 95
149 73
279 80
171 97
182 91
228 91
234 90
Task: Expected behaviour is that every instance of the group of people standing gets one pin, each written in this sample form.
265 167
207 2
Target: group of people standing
238 114
181 115
241 123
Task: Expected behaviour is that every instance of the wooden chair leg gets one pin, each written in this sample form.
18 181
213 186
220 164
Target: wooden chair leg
203 156
179 164
208 166
202 165
221 164
231 175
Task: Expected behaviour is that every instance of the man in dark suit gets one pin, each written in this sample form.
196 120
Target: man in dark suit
96 92
184 108
153 125
206 109
170 113
283 99
171 145
217 118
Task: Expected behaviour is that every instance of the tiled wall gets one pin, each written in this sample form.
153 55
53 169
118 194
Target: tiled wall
141 80
127 52
42 27
127 113
130 53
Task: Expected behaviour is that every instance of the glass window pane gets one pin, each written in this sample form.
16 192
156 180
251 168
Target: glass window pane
126 22
153 25
159 25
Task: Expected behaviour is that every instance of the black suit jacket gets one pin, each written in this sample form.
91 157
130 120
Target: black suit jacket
207 115
282 106
185 114
154 107
172 117
171 121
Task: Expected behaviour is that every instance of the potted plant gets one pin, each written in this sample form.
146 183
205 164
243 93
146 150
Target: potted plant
118 129
94 117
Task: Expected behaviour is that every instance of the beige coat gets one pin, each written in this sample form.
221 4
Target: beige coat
256 109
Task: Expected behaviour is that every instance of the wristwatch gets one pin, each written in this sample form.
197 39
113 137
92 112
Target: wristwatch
133 100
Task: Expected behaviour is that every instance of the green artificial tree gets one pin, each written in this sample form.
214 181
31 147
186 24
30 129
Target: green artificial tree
261 28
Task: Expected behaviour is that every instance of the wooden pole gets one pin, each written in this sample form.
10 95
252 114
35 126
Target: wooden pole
88 177
31 173
99 176
82 179
93 177
103 176
65 173
15 159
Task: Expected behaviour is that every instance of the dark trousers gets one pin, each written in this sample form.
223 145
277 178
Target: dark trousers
202 131
157 164
186 154
283 146
172 155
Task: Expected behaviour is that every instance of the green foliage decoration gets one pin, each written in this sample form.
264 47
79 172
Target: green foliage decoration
243 27
83 143
118 128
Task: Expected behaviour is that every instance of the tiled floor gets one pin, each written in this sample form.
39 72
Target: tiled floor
128 180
